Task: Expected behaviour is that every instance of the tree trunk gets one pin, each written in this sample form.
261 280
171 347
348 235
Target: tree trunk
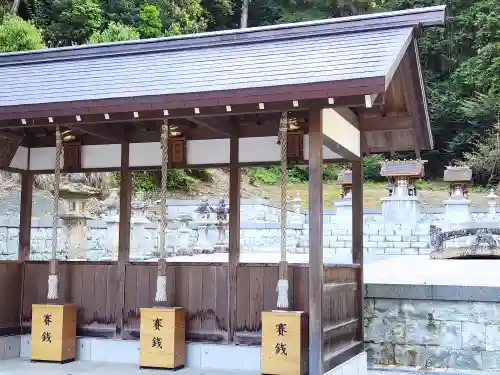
244 14
15 6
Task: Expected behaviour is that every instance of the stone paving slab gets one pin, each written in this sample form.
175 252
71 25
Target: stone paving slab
413 371
421 270
20 366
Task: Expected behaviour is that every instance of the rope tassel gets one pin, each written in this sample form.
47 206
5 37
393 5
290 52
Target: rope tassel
282 287
282 290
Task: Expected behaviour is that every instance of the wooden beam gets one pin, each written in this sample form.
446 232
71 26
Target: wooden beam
123 235
9 143
219 128
25 215
113 134
386 123
340 129
315 243
357 241
95 115
234 231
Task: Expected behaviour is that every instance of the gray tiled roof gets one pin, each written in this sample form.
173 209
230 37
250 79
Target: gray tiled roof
402 168
457 174
262 64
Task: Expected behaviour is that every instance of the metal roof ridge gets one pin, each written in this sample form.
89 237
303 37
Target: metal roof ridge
214 39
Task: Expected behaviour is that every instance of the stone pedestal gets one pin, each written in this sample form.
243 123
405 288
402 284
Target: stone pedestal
75 235
343 213
403 210
457 210
112 231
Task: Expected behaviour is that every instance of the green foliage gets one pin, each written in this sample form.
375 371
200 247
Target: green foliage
115 32
296 174
68 22
122 11
461 62
19 35
371 168
177 179
150 25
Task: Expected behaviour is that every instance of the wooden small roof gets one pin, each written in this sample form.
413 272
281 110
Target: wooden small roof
406 168
121 92
344 177
457 174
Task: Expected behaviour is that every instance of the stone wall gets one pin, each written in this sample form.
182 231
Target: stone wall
461 332
260 232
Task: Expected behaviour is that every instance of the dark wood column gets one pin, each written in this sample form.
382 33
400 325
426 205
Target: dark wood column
123 234
234 231
357 240
25 215
315 243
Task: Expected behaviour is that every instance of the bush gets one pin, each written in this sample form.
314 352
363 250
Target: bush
19 35
371 168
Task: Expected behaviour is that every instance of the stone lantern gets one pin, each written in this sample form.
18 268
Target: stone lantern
402 205
222 212
343 215
344 179
112 220
140 243
457 207
76 193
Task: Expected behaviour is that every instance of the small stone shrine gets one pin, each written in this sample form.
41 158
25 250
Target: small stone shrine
402 205
457 207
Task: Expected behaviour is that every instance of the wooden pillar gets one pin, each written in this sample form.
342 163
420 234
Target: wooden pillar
357 241
25 215
234 231
123 234
315 243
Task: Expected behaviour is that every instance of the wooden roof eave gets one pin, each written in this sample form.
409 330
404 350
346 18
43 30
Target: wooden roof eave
182 105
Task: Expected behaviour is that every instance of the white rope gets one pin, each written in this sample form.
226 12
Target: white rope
161 280
282 290
161 289
282 287
53 281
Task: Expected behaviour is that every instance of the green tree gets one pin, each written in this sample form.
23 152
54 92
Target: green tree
115 32
150 25
122 11
19 35
68 22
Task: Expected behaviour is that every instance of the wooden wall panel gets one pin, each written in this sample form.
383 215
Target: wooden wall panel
200 288
92 286
340 315
10 297
256 292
